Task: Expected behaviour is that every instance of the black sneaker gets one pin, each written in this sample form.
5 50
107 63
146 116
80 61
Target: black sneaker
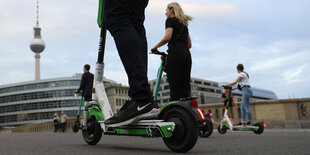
239 123
249 123
130 113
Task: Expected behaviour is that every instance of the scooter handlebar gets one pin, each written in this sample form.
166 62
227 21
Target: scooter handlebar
155 51
227 87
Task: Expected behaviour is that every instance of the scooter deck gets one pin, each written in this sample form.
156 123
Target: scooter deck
144 128
245 128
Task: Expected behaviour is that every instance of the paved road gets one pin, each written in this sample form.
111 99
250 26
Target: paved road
270 142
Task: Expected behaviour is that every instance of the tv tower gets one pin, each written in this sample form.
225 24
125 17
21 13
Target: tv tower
37 45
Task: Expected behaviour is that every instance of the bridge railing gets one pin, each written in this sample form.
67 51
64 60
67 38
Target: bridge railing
41 127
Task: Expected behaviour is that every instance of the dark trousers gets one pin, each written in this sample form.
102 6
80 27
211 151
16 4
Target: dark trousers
55 126
124 19
63 126
179 64
87 98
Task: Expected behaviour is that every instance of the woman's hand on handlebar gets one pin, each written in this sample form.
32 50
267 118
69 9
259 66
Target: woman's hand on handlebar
154 50
225 85
76 93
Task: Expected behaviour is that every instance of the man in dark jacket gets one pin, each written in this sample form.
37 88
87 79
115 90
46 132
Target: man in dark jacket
86 83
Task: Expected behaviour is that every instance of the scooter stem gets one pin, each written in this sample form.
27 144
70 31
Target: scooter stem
159 75
226 119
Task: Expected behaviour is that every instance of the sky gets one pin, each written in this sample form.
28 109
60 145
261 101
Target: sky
270 38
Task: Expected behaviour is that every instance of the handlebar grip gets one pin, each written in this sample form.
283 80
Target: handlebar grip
227 87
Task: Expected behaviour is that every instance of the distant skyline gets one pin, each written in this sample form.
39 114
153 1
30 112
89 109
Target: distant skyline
271 39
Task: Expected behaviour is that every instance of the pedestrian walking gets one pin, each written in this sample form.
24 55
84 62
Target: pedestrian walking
63 121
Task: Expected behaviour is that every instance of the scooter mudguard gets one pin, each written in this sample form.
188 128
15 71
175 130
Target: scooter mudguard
208 118
225 124
94 111
185 104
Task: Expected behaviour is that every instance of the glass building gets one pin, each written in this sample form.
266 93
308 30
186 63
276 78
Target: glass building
37 101
209 92
258 94
206 91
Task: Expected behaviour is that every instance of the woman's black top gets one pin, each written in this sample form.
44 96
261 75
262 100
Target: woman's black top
180 32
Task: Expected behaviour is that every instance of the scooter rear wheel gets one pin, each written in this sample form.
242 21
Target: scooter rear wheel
260 129
185 134
206 130
93 133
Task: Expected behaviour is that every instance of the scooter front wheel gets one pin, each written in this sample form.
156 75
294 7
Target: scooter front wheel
92 134
222 130
185 134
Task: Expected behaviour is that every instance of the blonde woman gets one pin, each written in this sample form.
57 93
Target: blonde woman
179 61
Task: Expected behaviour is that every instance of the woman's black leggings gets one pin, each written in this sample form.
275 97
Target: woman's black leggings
179 64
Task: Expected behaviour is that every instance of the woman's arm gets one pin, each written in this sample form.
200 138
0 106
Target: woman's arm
189 41
165 39
233 83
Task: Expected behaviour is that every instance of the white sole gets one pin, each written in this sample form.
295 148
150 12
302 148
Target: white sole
149 115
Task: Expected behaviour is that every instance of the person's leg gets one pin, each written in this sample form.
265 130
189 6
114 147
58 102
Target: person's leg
131 46
62 127
65 126
230 114
137 16
186 76
247 94
243 111
173 75
87 98
55 127
131 49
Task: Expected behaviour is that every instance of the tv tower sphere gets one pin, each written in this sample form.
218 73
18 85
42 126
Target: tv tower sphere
37 45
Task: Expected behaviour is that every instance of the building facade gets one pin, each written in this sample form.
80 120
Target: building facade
37 101
209 92
258 95
117 95
206 91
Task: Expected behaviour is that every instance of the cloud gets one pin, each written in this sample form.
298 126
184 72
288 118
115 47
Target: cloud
195 8
292 76
268 64
297 75
272 63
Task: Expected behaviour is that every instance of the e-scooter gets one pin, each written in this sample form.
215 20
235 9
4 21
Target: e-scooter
256 127
177 121
77 124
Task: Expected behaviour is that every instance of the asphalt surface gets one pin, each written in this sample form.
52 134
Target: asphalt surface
270 142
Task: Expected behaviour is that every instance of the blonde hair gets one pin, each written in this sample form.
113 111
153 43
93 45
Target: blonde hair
179 14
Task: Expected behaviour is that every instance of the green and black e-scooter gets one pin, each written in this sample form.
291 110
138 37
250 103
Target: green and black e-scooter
176 122
256 127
